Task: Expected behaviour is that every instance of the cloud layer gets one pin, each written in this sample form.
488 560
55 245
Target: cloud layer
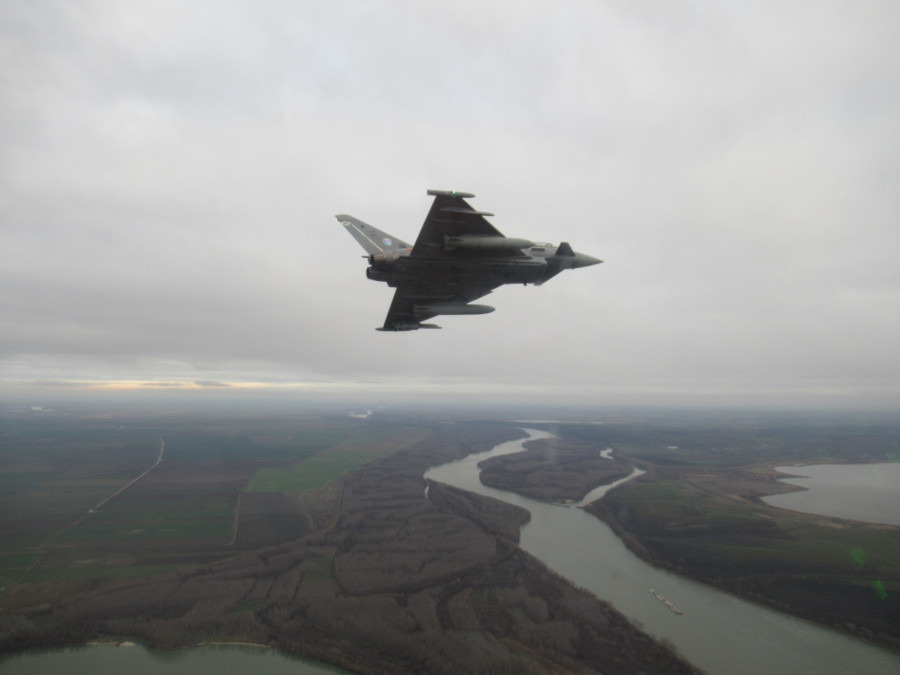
171 171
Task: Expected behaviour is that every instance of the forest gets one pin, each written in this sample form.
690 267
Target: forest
360 571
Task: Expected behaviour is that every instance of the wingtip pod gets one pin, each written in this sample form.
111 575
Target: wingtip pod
450 193
398 327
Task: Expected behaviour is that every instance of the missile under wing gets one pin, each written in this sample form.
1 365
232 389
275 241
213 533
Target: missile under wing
457 258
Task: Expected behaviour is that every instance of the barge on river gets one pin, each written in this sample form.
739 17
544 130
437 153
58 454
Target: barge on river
665 601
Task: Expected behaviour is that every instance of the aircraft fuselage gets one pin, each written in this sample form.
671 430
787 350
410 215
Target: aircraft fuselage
487 268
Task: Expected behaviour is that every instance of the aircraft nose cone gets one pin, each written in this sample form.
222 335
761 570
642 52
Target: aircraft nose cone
585 260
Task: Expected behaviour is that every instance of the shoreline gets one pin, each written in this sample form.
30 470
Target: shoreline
633 542
757 482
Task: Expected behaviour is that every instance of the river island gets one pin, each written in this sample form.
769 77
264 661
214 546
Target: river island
317 535
698 510
308 534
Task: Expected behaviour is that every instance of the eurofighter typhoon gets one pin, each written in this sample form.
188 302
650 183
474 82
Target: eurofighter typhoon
458 257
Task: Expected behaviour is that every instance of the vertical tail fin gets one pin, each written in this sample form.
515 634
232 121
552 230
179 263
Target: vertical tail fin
371 238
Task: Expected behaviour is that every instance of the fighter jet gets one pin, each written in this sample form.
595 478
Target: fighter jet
458 257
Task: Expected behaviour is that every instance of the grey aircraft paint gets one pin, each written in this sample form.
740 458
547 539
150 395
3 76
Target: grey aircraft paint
458 257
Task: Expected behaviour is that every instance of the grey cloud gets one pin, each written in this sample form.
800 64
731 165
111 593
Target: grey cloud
170 176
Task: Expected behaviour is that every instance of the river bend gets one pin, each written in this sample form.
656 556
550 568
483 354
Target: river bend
718 632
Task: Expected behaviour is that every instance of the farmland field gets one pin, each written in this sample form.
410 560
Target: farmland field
312 472
71 509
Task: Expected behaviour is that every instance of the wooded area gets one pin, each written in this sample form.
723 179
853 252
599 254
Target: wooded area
393 582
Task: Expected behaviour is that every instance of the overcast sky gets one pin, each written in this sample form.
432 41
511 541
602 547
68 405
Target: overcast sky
170 172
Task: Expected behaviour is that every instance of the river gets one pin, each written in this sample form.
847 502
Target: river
718 632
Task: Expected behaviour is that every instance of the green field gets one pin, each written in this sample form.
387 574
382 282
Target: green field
318 470
59 520
132 518
840 573
790 538
92 572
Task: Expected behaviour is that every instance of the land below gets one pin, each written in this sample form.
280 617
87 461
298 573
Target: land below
311 534
697 510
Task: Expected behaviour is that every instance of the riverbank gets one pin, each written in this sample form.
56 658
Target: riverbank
842 574
698 511
868 493
718 632
397 584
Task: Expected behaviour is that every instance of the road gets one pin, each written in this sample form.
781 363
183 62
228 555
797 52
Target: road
162 451
40 548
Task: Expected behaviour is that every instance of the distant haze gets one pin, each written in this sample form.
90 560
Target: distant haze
170 174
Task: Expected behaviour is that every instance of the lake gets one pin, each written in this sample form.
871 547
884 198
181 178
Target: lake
866 492
136 660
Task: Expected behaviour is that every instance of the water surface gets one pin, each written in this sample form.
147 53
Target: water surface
718 632
136 660
866 492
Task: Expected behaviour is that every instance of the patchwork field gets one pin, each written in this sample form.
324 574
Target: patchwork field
64 514
302 530
308 536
